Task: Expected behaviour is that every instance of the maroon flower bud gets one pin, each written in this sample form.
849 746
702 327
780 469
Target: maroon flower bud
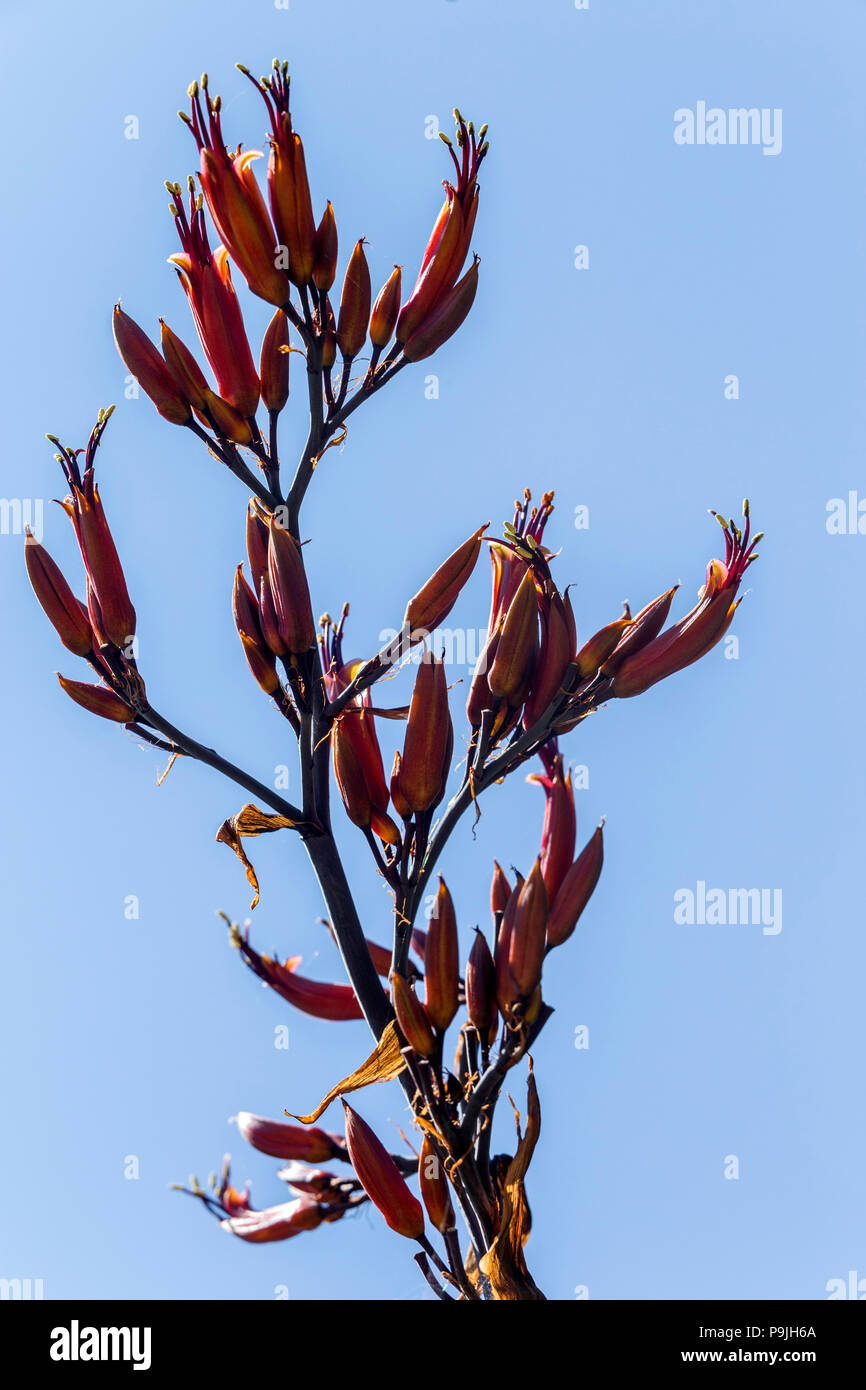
435 1190
576 890
528 933
354 304
280 1140
412 1017
325 251
442 962
67 613
274 366
380 1178
481 986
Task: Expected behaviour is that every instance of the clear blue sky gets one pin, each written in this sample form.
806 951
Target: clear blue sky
142 1037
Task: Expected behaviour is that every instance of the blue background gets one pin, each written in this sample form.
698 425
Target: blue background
142 1037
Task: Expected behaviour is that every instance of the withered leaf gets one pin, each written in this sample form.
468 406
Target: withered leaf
250 821
384 1064
504 1265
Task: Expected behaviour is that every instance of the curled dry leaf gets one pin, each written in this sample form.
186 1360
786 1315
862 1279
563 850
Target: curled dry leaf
384 1064
250 821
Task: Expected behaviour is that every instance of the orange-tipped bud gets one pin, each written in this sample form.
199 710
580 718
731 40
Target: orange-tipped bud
435 1191
429 740
481 985
647 624
401 806
226 420
517 650
529 933
380 1178
432 604
280 1140
412 1016
445 319
576 890
65 612
384 316
354 313
325 251
187 373
274 365
291 595
142 359
500 890
241 218
596 651
442 961
245 611
98 700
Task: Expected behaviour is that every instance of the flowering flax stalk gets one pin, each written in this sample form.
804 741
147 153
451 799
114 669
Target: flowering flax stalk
531 687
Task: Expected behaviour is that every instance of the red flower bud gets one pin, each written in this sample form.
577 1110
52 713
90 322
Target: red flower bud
442 961
529 933
104 571
429 740
647 624
235 201
560 826
67 614
381 1179
576 890
245 611
555 657
385 310
695 634
275 1223
334 1002
432 604
435 1190
517 650
291 595
500 890
143 361
325 251
596 651
274 365
445 319
412 1017
187 373
280 1140
354 304
98 700
257 544
481 986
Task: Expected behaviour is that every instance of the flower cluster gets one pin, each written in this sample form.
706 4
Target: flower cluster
534 682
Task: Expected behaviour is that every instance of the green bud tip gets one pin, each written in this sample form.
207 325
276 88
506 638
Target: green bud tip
482 132
185 117
240 67
745 506
445 139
